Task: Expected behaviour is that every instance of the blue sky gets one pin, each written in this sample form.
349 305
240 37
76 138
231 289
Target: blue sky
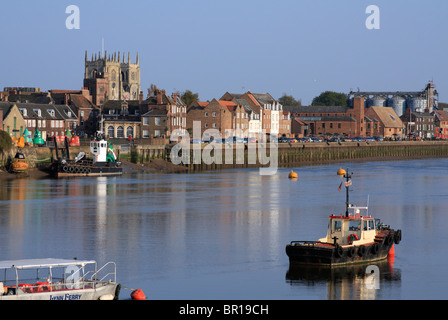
298 47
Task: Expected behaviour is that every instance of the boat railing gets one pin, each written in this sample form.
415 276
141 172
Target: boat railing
311 243
105 273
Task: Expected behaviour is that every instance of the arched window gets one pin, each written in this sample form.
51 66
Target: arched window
111 132
120 132
130 132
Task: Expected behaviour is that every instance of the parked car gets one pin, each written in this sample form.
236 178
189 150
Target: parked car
283 140
198 141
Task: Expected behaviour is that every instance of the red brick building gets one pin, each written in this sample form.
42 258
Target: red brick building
441 124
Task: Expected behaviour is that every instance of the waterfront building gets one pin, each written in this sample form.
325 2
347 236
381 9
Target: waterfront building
335 120
12 119
267 113
175 110
50 119
389 123
441 124
419 124
121 119
220 115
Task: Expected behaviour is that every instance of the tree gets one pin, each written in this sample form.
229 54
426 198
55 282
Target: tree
5 141
188 97
330 98
289 101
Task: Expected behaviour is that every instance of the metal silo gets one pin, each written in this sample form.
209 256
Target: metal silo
417 104
398 103
377 101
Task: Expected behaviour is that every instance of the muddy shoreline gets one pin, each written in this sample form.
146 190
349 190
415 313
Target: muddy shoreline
156 166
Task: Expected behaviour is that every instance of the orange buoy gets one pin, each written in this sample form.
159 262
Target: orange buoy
138 294
292 175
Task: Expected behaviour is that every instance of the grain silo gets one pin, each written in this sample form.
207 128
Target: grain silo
417 104
398 103
377 101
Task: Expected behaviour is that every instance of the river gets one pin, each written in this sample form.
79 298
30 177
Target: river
222 235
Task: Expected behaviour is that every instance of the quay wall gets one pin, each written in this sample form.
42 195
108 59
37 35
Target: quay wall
289 155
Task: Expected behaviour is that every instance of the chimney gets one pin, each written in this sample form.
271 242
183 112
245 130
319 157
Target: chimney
159 96
140 97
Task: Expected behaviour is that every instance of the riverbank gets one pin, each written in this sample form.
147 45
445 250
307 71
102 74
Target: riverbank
142 159
156 166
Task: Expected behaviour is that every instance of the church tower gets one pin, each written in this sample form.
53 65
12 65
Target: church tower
110 77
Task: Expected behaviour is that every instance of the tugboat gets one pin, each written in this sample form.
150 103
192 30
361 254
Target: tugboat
104 161
352 238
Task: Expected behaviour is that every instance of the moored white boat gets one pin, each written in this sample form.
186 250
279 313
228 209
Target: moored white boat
57 279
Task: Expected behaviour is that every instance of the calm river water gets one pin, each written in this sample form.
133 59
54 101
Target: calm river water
222 235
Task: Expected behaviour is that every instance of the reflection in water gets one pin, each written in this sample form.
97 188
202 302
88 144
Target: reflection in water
223 234
346 282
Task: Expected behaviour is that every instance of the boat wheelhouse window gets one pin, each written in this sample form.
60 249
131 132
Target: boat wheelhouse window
337 225
354 225
369 225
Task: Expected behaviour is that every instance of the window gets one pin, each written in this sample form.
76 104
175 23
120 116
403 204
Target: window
157 121
145 121
145 133
156 133
120 132
111 132
354 225
214 114
214 125
130 132
337 226
206 114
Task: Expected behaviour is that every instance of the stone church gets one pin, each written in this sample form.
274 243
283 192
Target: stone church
110 77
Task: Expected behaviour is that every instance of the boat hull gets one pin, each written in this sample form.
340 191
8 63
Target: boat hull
80 170
109 291
325 254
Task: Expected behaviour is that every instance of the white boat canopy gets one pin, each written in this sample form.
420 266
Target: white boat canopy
38 263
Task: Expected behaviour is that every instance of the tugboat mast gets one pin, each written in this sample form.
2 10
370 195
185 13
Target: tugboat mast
347 185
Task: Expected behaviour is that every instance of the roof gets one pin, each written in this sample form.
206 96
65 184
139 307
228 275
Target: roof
387 116
441 114
153 112
63 112
318 109
34 263
264 98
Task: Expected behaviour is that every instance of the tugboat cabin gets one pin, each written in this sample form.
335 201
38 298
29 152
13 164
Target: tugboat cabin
351 229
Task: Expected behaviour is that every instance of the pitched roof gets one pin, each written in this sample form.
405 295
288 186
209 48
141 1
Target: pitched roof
387 116
47 111
441 114
318 109
229 105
